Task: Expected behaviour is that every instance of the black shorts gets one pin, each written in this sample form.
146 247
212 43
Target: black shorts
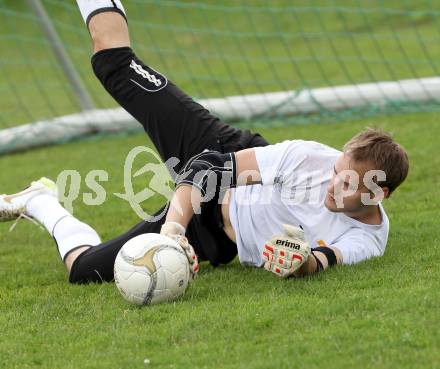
178 127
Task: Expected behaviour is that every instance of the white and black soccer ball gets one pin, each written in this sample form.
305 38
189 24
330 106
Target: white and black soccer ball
151 268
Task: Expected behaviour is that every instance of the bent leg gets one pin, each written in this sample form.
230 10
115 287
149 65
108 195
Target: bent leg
96 263
177 125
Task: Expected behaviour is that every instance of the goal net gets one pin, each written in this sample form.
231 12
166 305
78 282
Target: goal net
257 62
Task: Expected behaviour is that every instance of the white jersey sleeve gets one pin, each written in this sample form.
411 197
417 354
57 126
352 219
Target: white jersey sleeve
363 241
280 162
359 246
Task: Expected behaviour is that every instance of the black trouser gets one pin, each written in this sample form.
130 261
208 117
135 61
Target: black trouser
179 127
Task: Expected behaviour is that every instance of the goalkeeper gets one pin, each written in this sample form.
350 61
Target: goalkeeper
296 207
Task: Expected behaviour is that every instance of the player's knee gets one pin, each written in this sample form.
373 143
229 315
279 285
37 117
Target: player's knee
76 278
84 271
104 42
108 30
81 276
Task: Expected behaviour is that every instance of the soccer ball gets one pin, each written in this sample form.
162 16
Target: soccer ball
151 268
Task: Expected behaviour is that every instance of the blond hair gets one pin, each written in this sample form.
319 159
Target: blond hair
379 148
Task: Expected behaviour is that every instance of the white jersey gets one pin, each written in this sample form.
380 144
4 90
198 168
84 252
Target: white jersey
295 175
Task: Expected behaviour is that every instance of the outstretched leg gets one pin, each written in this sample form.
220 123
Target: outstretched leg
178 126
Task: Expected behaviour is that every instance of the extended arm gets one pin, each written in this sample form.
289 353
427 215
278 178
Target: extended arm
197 181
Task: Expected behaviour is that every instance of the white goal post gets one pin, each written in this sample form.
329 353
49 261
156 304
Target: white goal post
232 108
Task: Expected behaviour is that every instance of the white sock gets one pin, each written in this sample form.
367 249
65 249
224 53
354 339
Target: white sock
68 232
89 8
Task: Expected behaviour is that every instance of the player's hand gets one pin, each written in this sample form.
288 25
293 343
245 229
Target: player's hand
177 232
285 253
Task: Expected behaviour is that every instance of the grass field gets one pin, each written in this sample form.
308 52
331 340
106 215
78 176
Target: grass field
382 313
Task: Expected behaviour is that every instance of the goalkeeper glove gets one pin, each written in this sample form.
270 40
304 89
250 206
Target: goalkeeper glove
285 253
176 232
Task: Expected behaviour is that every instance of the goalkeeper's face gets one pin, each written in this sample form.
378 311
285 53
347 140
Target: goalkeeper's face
352 188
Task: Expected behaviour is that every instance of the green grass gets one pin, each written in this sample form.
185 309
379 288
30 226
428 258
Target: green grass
382 313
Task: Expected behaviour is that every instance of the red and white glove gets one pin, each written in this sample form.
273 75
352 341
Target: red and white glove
285 253
176 232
